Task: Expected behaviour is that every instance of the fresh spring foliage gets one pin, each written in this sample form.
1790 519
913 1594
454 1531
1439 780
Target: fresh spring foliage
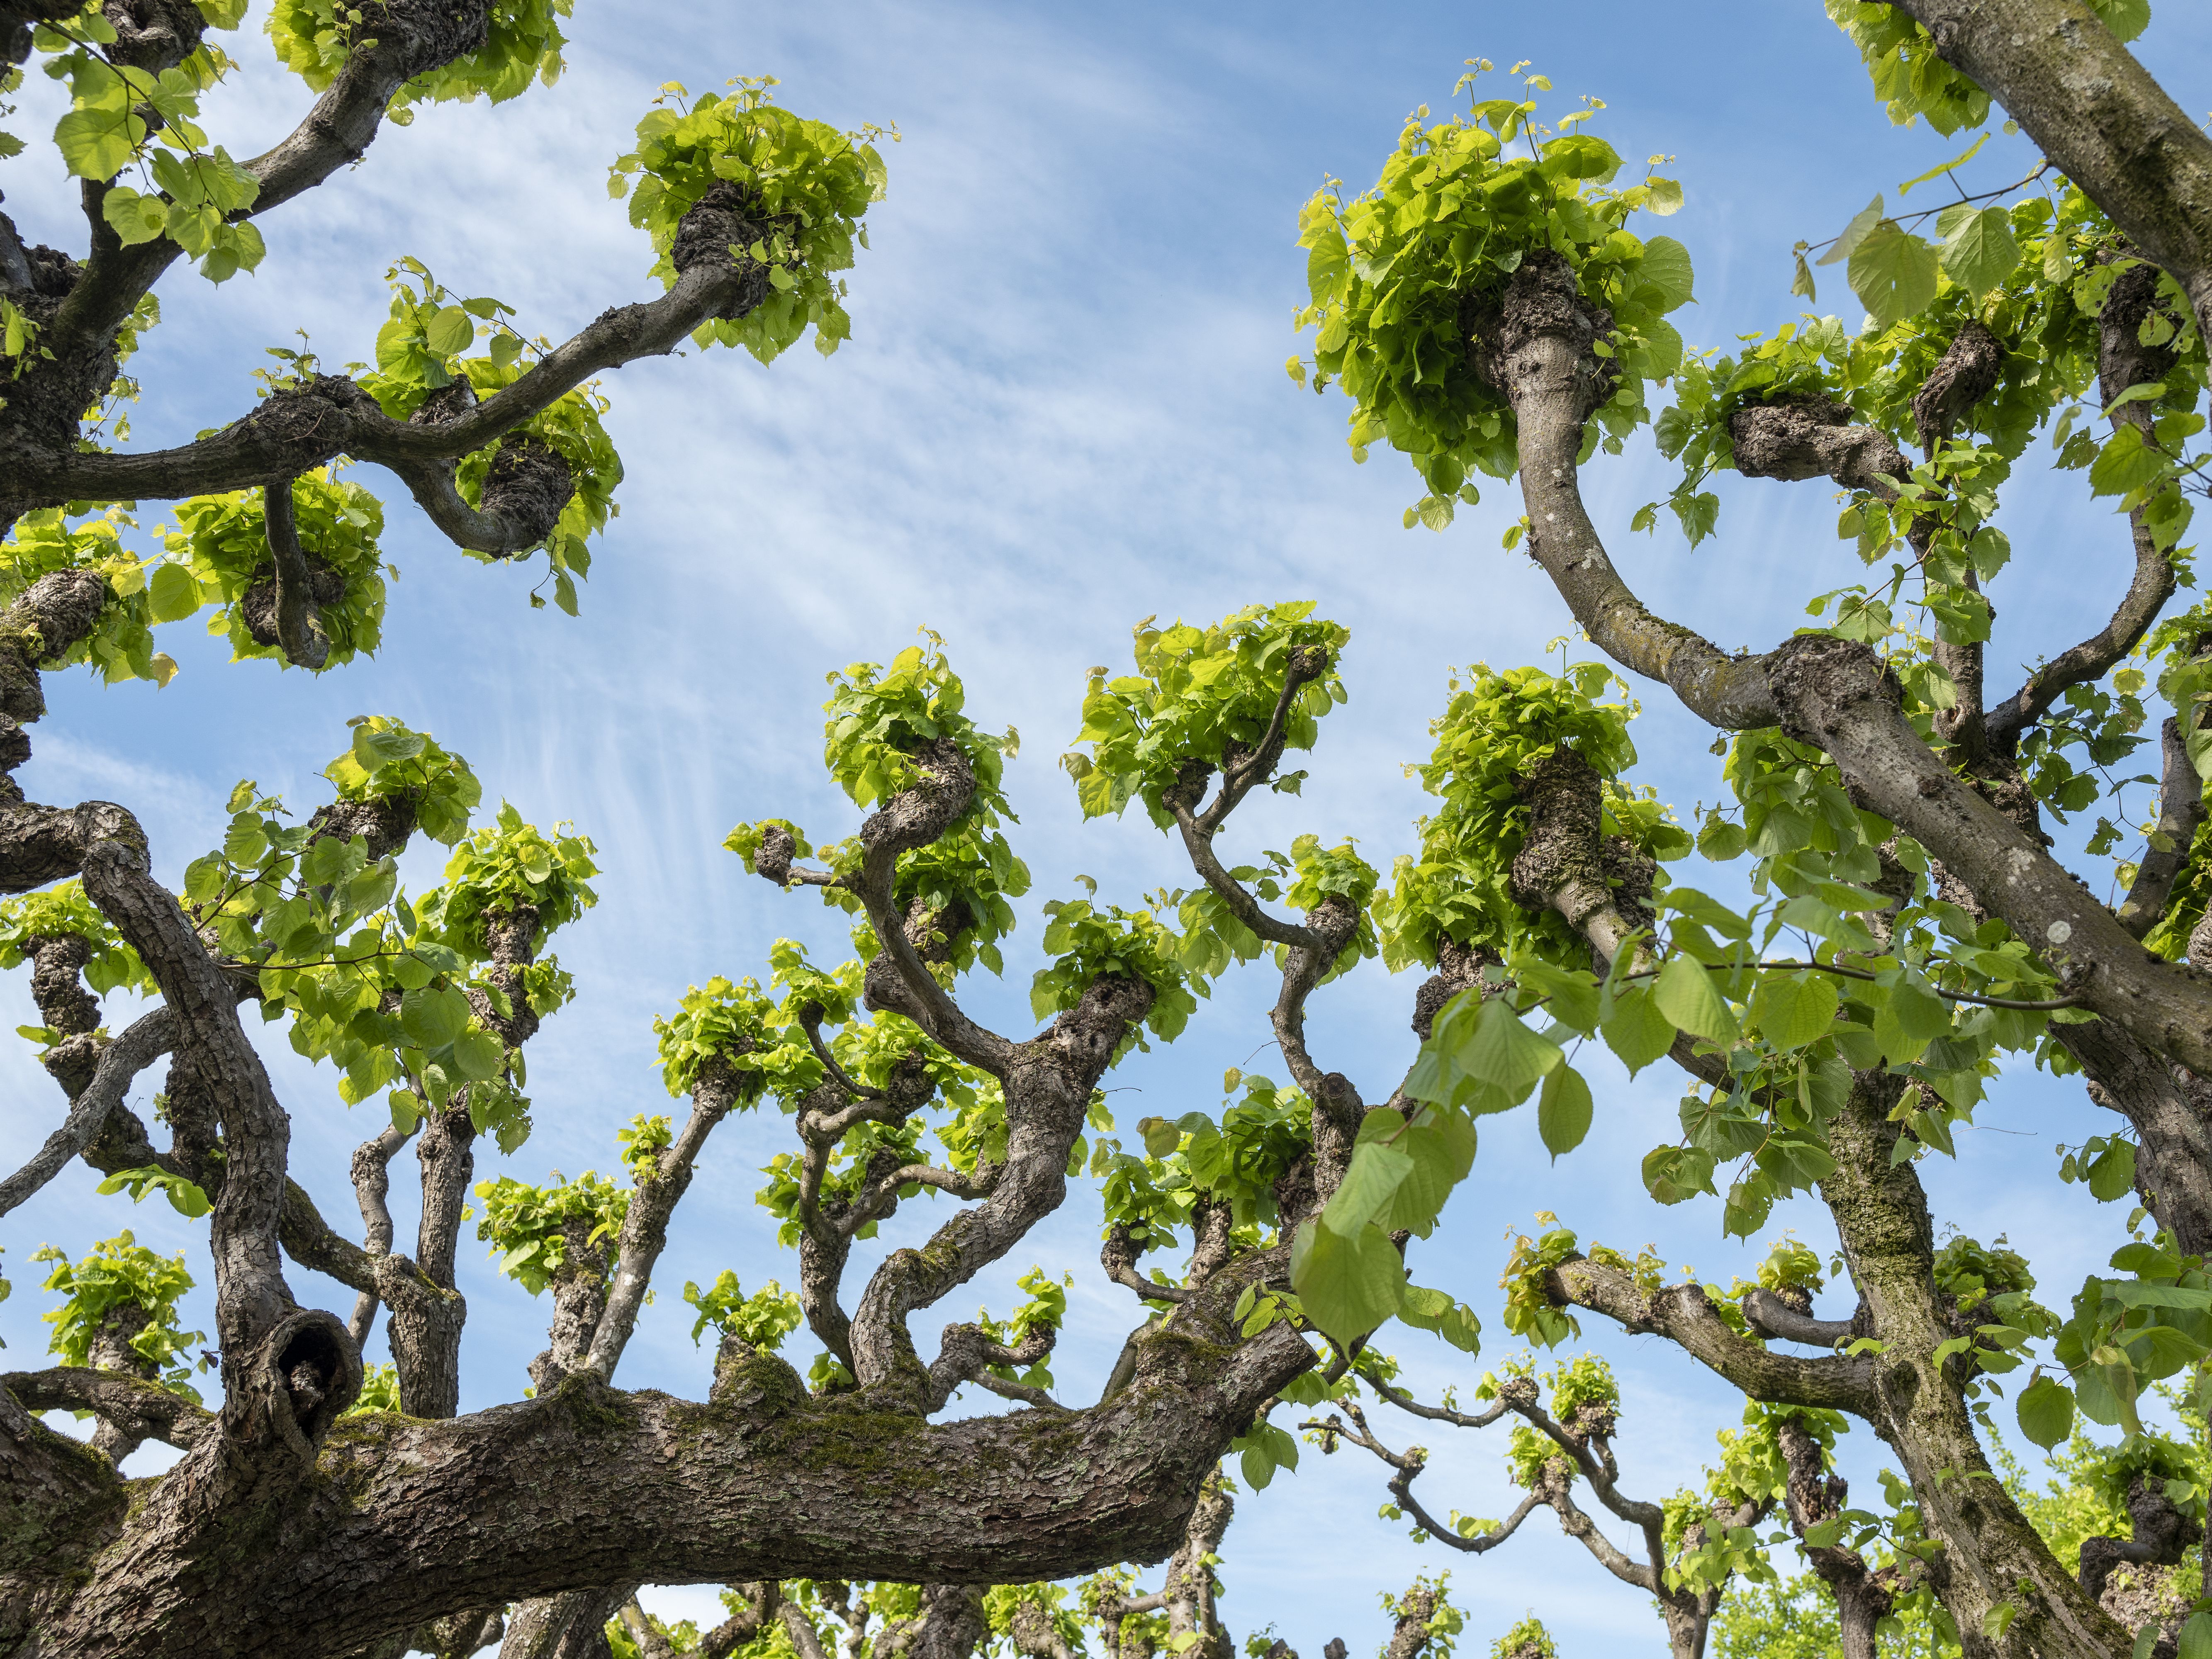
539 1233
761 1320
1397 274
119 1273
804 186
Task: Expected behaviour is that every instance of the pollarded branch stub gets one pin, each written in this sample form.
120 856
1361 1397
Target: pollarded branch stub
1815 438
64 1004
1561 853
1542 301
715 232
2162 1534
153 34
1966 374
51 616
1458 968
2123 359
1086 1036
528 484
384 823
925 809
416 36
259 607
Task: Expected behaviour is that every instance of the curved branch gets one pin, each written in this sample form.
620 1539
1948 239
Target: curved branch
141 1410
296 430
143 1042
1684 1314
2180 811
1239 777
916 817
1118 1256
1537 353
414 37
2148 593
1197 842
528 484
1049 1080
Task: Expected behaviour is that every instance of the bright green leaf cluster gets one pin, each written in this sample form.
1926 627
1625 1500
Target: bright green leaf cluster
219 552
313 38
120 1270
65 910
1493 733
121 644
527 1227
761 1320
1199 693
1398 275
805 184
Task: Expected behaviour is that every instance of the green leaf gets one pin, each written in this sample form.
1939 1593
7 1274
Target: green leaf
2195 1637
1791 1011
1256 1467
98 143
1376 1173
1666 266
1348 1286
1563 1114
1637 1030
1488 1043
173 593
2046 1412
433 1019
1978 251
1685 992
1854 233
1893 273
478 1056
451 332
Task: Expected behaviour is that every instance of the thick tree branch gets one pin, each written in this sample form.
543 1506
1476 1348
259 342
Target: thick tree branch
1684 1314
766 1485
140 1409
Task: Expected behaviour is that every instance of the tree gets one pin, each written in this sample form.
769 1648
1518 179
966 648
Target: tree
1488 312
1692 1545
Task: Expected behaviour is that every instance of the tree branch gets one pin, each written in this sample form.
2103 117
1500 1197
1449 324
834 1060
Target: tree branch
1684 1315
2180 811
140 1409
143 1042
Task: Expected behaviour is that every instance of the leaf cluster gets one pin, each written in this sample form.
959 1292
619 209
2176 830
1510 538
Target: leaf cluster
1398 275
1199 693
806 186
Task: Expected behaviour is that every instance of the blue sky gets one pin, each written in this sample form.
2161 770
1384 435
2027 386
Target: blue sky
1063 410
